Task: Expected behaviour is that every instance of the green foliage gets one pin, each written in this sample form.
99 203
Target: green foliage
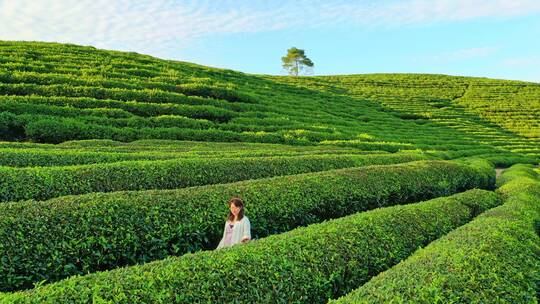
369 145
127 113
518 171
505 159
92 93
305 265
481 165
296 61
49 182
173 121
493 259
22 154
10 127
57 131
229 94
76 234
43 158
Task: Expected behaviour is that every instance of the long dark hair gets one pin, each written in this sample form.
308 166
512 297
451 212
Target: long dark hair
238 202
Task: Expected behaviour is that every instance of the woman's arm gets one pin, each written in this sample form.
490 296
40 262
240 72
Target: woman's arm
246 236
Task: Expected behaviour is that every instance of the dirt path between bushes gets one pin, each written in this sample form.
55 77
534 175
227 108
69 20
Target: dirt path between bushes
498 172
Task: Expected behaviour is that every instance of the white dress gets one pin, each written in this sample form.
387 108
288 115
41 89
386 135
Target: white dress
234 235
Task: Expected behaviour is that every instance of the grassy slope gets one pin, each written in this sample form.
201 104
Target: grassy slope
52 93
90 93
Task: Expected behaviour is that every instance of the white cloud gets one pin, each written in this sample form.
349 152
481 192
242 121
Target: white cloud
425 11
128 25
155 26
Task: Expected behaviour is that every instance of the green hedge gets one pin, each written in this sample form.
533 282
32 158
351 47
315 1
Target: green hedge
367 145
144 95
57 130
10 127
47 158
515 172
40 156
105 116
493 259
509 160
76 234
51 129
230 94
136 108
52 182
17 107
306 265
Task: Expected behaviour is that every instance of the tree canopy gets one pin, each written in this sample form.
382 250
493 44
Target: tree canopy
296 62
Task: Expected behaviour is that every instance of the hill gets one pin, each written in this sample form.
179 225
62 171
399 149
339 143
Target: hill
116 169
51 93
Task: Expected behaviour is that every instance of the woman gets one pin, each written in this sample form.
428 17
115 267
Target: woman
237 227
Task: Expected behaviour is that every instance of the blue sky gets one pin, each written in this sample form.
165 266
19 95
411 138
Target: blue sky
488 38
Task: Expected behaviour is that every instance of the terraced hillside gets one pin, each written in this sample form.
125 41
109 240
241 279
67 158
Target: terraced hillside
499 113
51 93
116 169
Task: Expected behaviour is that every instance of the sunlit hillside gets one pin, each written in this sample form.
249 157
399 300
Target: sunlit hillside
116 170
52 93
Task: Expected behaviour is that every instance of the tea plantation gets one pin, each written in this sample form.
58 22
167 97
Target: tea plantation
116 169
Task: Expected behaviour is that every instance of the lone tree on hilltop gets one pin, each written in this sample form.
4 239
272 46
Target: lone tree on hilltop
296 62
